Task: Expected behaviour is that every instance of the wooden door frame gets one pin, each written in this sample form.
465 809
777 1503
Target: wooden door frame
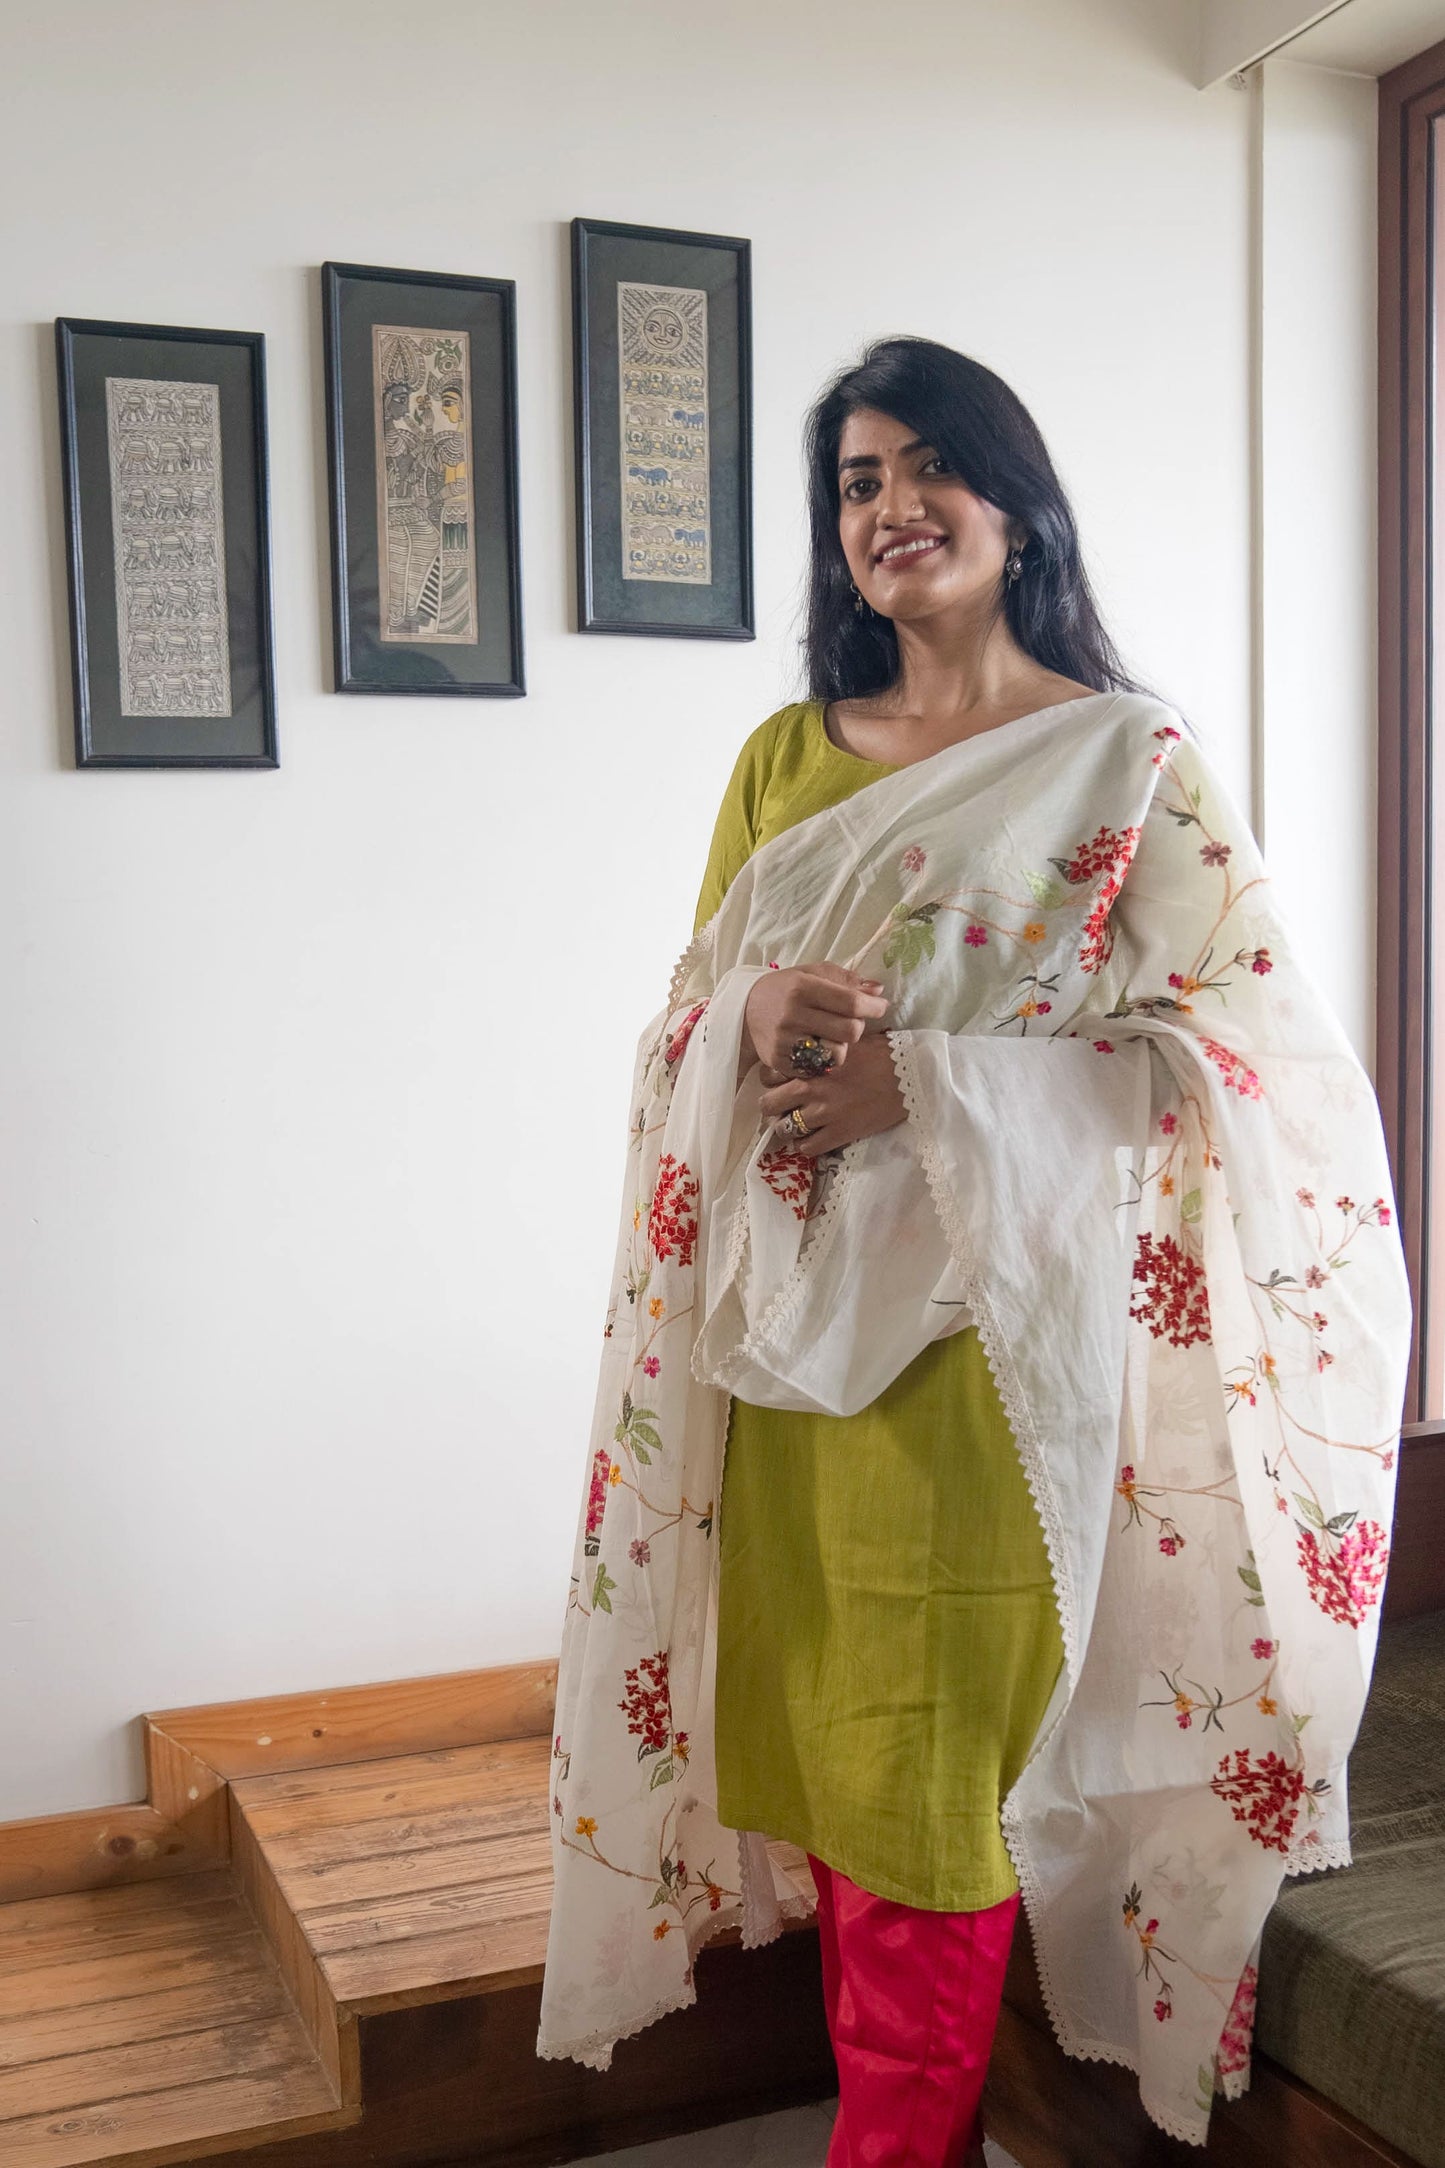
1410 98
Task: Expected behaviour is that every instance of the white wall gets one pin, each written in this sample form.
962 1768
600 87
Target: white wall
315 1081
1319 482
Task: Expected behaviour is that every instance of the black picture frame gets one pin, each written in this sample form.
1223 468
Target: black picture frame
473 581
671 525
167 526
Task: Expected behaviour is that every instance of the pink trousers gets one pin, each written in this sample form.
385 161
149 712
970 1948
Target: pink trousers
912 2000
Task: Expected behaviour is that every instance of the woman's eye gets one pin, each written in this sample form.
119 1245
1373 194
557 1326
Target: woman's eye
939 462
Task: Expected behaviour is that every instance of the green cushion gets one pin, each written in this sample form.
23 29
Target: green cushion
1352 1970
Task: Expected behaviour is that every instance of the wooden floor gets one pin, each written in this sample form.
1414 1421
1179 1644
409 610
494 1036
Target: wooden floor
157 2022
147 2024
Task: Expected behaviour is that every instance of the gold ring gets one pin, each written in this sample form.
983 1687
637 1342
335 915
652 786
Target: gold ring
800 1127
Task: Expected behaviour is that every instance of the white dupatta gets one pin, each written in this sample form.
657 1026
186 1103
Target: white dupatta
1141 1152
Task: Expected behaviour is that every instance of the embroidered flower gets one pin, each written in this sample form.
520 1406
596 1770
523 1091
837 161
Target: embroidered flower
789 1175
1266 1706
1306 1198
651 1365
1234 1069
1234 2042
671 1218
1035 930
1105 859
1172 1543
1261 962
677 1044
662 1930
648 1706
1168 1123
1345 1204
1044 1007
1163 2008
1315 1278
1345 1573
597 1497
913 860
1103 1046
1263 1792
1166 1185
639 1552
1175 1301
614 1473
586 1826
1262 1650
975 935
1382 1212
656 1307
1215 854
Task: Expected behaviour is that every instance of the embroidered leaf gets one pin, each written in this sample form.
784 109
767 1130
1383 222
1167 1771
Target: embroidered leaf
1191 1206
911 940
1249 1577
662 1895
705 1524
1310 1510
647 1433
1205 2081
601 1590
1300 1723
640 1452
1339 1522
662 1774
1046 893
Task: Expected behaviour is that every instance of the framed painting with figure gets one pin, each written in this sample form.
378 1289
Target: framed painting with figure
163 444
662 359
421 417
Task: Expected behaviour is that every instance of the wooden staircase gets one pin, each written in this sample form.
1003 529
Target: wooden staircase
192 1977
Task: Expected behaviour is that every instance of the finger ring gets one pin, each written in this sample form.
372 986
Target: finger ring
797 1123
810 1057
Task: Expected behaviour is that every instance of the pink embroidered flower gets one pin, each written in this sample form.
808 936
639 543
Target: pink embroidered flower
639 1552
1043 1007
913 860
1234 1069
1172 1544
1306 1198
1105 859
651 1365
1103 1046
1175 1301
1215 854
1238 2033
1263 1792
1168 1123
1345 1204
677 1044
1163 2008
1261 962
1262 1650
975 935
671 1219
1382 1212
1315 1278
1345 1573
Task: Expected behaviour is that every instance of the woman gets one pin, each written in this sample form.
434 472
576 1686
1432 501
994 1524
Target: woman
991 1158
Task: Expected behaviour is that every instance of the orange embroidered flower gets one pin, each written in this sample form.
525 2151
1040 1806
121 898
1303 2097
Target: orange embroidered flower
656 1307
1166 1185
1035 930
586 1826
1265 1706
614 1473
662 1930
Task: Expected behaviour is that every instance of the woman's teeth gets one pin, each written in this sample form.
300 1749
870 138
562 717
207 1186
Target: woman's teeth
909 549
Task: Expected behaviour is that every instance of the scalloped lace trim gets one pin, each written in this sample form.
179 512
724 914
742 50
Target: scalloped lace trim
699 946
996 1351
1314 1858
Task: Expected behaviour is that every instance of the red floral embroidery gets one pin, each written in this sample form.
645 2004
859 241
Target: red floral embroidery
1345 1573
648 1707
1175 1302
671 1221
1238 2033
597 1499
677 1044
1234 1069
789 1175
1263 1792
1105 859
914 859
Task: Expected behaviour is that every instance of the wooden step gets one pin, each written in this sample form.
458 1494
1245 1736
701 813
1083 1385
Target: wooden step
149 2023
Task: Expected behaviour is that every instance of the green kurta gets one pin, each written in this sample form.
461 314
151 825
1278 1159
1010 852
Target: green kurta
887 1637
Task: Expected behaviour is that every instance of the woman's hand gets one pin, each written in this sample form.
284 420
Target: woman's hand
840 1106
808 1001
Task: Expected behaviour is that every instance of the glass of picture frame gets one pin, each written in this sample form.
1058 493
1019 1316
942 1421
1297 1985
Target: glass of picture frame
662 367
421 409
163 444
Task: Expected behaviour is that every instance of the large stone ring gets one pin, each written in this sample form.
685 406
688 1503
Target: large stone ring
796 1123
810 1057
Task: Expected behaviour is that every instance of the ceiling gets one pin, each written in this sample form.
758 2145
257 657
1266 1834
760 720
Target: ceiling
1369 37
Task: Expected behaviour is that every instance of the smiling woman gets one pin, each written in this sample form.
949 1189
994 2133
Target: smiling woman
984 1124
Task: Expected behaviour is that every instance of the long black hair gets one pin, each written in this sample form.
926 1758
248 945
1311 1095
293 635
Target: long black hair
987 435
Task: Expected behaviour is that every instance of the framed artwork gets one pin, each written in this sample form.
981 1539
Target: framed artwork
163 442
662 356
421 425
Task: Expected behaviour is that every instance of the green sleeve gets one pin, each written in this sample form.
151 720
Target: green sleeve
735 832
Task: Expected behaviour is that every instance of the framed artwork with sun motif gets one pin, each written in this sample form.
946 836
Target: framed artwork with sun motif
663 386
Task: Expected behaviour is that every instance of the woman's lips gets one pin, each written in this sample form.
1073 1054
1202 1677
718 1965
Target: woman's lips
911 553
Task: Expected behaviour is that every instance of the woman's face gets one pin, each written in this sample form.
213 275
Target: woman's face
917 539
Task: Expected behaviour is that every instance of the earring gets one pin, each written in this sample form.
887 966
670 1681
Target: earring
858 603
1015 562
